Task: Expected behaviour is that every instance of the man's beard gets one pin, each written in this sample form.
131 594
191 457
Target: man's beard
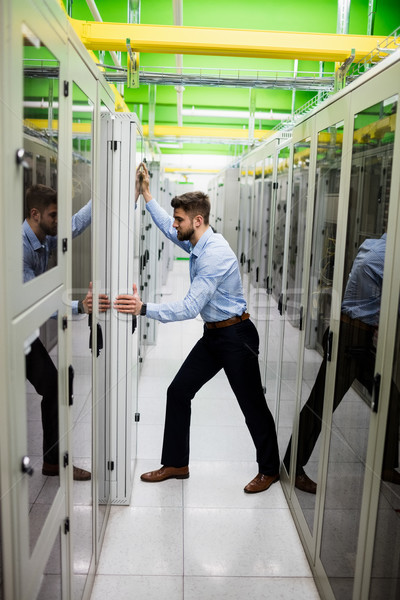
48 230
184 236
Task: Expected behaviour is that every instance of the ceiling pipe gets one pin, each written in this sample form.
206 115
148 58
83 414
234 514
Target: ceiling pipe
178 21
371 17
343 16
96 15
133 11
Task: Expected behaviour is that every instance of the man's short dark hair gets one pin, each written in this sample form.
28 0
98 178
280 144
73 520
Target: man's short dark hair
193 203
39 196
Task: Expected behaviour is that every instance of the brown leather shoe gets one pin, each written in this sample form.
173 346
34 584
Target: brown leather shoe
260 483
54 470
391 475
80 474
305 484
166 473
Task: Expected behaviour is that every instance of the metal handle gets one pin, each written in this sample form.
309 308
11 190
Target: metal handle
376 391
20 158
329 346
301 318
26 466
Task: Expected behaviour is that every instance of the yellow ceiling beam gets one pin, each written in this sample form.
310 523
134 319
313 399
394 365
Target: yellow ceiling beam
205 132
168 39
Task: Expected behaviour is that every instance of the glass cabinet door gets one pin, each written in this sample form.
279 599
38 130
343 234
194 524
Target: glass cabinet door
40 137
275 278
385 573
290 297
373 140
327 177
261 298
82 332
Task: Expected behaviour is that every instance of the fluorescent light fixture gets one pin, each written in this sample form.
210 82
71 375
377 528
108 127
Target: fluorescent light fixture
165 145
44 104
233 114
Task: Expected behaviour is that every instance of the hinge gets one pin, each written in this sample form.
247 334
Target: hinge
275 185
114 145
110 465
264 389
66 459
64 323
137 417
66 88
64 244
66 525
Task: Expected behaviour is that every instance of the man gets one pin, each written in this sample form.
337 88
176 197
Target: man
356 360
39 232
230 340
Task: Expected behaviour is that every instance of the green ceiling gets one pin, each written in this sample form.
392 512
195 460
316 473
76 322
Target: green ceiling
287 15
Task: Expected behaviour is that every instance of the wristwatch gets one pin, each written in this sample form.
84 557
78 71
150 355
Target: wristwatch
143 309
81 308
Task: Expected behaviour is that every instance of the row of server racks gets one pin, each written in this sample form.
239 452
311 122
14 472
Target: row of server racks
73 141
300 207
296 211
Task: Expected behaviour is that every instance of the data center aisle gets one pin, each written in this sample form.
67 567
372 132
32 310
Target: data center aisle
201 538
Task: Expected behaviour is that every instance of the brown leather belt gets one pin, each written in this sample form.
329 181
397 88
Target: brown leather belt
227 322
356 323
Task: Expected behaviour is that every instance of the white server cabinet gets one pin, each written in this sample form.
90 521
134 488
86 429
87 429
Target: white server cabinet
150 259
121 151
167 249
230 213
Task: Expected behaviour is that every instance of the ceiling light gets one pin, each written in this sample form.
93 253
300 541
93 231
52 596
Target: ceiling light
232 114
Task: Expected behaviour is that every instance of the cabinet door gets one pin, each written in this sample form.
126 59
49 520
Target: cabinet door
358 335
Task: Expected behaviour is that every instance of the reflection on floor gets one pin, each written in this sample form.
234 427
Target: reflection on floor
201 538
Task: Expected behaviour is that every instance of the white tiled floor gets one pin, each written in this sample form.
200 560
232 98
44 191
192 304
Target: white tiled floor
202 538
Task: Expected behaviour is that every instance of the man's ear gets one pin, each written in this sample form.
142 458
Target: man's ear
199 220
34 213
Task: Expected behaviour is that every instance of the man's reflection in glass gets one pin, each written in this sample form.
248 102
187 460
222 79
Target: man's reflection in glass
39 235
356 360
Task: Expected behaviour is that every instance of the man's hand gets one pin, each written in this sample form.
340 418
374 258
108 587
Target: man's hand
142 185
129 304
104 301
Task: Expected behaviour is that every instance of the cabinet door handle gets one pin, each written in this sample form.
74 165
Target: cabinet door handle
376 390
26 466
329 346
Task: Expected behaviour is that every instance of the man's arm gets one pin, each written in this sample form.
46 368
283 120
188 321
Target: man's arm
160 216
81 219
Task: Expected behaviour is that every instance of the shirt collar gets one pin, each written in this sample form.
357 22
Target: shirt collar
33 239
202 242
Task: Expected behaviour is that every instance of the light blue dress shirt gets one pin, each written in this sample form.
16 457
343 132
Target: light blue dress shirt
216 291
362 298
36 253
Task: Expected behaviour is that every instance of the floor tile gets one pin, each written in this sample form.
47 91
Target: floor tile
238 542
127 587
259 588
143 541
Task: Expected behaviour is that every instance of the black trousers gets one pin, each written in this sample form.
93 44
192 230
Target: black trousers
42 374
234 349
356 360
